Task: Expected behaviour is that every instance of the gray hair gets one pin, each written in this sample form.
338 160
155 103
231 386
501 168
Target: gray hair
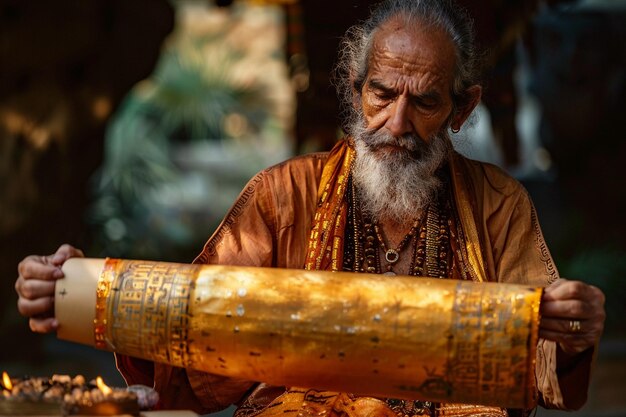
354 54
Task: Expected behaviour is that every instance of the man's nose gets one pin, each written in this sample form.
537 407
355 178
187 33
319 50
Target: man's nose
399 122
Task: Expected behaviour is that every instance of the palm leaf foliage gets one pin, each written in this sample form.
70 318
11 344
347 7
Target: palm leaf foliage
188 99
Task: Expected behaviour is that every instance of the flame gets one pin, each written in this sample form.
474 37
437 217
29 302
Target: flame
6 381
103 387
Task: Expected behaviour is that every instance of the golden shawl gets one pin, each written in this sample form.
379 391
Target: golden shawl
325 247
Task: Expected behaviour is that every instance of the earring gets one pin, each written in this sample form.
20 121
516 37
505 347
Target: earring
457 130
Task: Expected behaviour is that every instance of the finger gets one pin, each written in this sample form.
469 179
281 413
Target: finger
64 253
39 306
597 295
553 335
35 288
568 339
46 325
36 267
566 309
571 343
554 285
566 290
561 326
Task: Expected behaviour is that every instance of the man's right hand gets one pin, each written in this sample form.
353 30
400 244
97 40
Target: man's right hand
35 287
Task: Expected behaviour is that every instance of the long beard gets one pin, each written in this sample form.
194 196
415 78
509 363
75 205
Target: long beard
397 183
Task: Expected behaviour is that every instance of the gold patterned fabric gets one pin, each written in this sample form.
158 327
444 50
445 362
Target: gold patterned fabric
296 402
271 225
325 247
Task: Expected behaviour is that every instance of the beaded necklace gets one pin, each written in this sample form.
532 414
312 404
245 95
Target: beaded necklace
392 256
430 237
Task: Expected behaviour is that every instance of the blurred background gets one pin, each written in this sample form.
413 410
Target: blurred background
128 128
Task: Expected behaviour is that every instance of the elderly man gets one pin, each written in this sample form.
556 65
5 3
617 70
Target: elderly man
393 198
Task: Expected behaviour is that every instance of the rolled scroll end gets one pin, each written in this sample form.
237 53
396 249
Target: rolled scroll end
75 299
532 391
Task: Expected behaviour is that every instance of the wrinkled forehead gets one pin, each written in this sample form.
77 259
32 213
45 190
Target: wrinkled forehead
413 41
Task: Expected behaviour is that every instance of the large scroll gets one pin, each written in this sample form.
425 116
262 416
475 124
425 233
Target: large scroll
401 337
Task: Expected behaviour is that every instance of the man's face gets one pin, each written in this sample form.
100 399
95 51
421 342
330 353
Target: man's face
407 89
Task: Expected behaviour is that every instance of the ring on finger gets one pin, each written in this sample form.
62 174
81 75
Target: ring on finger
574 326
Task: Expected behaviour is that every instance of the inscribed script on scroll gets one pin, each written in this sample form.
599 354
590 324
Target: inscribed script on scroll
404 337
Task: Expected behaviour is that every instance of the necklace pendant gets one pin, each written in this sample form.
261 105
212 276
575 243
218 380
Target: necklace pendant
390 274
392 256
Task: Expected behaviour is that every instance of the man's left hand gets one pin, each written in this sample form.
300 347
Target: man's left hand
572 314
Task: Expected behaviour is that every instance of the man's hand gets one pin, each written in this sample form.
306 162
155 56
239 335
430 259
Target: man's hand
572 314
35 287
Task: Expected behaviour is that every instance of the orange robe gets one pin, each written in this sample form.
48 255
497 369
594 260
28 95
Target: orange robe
269 226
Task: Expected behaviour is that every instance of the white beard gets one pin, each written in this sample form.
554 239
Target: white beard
397 184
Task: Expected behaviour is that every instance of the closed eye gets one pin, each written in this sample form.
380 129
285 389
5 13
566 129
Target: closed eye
384 95
381 92
426 104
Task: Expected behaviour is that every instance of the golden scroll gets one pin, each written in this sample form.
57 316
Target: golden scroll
401 337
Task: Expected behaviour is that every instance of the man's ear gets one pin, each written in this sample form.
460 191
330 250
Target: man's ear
471 99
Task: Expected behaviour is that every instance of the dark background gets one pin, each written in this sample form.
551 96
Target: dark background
65 67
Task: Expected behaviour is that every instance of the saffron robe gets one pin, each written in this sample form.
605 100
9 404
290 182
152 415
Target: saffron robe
270 225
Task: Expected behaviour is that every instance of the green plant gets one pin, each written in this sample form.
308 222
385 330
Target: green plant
188 98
